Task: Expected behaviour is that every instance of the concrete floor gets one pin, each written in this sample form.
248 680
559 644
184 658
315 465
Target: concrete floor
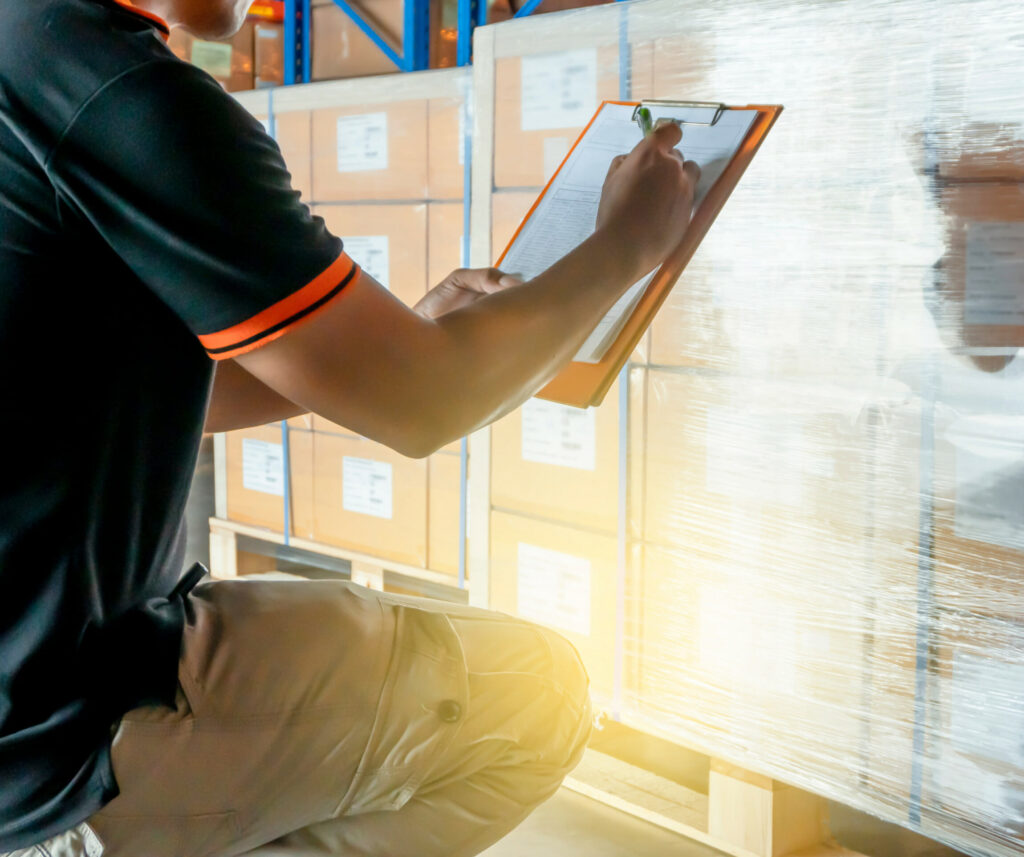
570 825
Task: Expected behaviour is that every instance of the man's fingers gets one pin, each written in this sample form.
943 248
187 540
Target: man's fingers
666 134
693 171
615 164
484 280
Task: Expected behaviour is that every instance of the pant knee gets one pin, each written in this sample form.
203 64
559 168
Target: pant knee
570 675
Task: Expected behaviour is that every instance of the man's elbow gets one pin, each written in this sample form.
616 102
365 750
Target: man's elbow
422 438
418 444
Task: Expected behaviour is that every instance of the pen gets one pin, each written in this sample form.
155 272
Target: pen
645 120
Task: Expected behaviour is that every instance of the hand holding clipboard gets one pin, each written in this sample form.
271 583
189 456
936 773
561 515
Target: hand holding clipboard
723 140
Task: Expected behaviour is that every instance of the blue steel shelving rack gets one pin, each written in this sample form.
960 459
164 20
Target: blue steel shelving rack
415 47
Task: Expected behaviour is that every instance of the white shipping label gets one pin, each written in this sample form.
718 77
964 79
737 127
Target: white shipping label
745 642
559 434
995 274
370 252
987 716
367 487
212 57
263 466
363 142
559 90
989 474
554 588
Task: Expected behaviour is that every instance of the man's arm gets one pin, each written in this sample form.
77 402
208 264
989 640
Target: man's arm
414 383
239 401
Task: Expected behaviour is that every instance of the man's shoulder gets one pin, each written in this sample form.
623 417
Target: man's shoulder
58 53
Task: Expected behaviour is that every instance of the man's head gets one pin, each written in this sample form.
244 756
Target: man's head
207 19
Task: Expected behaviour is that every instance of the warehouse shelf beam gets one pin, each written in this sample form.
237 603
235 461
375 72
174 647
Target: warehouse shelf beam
297 41
472 14
527 8
415 54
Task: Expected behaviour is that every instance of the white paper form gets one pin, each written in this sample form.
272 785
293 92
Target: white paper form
567 213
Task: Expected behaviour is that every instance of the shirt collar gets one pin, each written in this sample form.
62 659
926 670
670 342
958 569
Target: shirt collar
161 24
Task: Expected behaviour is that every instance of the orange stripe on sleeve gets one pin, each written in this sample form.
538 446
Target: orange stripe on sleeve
280 317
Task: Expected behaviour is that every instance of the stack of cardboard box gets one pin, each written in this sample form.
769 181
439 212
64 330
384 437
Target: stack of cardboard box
818 569
386 175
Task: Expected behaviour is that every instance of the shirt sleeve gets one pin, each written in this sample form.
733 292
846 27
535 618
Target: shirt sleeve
192 194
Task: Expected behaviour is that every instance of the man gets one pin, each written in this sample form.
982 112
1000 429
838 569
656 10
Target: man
148 230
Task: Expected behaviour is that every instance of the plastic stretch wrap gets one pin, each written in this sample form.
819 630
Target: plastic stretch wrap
824 532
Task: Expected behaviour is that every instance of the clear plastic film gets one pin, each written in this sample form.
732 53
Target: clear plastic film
811 560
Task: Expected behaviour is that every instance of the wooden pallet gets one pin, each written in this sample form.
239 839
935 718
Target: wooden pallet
741 813
227 559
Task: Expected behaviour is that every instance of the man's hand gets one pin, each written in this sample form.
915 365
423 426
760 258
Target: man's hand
648 198
462 288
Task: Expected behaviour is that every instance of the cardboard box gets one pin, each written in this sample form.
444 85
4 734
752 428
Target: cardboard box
503 10
293 132
370 152
255 477
228 61
768 473
303 422
388 241
681 67
542 103
982 151
268 54
563 578
738 660
558 462
446 152
341 49
444 501
508 208
444 240
370 499
975 749
980 290
978 519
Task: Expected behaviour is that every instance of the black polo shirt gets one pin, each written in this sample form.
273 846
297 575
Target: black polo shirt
147 224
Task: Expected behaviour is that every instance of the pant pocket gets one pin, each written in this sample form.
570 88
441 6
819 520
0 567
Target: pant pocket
425 700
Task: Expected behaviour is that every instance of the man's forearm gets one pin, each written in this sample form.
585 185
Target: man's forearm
239 400
502 349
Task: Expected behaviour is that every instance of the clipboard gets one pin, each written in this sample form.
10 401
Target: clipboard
585 384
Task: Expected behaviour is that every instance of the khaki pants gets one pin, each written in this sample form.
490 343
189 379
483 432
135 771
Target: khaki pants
321 718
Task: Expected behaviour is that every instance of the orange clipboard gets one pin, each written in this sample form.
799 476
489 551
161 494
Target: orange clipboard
585 384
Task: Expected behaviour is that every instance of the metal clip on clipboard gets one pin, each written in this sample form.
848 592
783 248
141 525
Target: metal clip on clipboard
642 113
